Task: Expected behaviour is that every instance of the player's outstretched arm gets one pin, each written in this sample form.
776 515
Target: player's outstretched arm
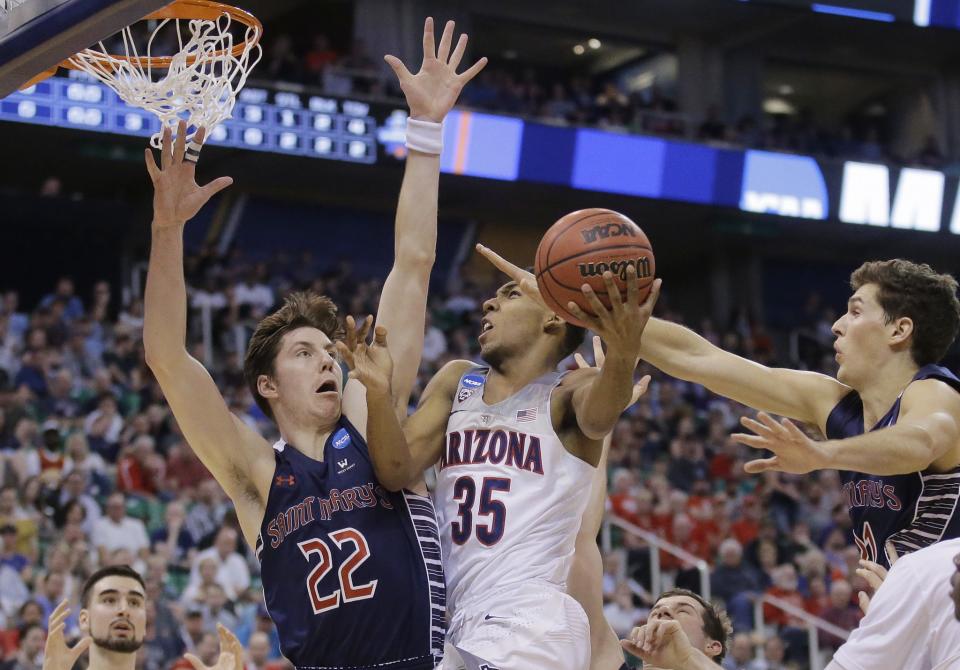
430 94
598 403
926 437
399 454
229 449
681 353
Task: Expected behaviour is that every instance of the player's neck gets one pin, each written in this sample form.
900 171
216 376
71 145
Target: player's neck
885 384
308 440
514 374
104 659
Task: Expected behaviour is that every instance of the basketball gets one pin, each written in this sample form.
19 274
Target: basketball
583 245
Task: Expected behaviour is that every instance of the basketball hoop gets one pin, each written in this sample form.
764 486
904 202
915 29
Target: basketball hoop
199 83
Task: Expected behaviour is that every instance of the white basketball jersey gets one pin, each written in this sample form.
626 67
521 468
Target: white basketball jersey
509 496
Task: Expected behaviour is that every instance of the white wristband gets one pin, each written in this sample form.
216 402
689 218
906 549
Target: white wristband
425 136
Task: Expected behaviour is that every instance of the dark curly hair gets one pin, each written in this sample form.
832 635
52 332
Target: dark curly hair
299 309
915 291
716 623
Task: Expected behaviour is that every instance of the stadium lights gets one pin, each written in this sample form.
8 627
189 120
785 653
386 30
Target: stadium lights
593 43
578 49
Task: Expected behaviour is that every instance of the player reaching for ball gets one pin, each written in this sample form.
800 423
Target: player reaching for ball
902 476
516 444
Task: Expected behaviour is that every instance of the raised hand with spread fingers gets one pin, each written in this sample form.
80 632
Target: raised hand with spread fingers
57 655
231 653
434 89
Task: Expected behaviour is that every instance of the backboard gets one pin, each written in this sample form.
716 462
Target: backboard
36 35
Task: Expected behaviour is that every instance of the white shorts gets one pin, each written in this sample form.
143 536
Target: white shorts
528 629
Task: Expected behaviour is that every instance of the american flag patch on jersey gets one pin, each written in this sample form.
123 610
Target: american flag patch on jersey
527 414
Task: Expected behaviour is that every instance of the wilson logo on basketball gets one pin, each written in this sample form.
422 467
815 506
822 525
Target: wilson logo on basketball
606 230
618 268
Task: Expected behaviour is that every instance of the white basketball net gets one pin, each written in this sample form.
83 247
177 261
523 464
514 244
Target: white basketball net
200 85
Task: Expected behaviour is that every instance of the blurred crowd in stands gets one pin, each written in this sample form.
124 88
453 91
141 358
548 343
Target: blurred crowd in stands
94 471
581 100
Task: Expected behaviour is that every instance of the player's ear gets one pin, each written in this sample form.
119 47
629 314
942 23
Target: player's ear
552 323
902 329
713 648
266 386
83 621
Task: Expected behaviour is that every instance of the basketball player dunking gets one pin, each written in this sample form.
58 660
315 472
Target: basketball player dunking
516 444
350 561
902 476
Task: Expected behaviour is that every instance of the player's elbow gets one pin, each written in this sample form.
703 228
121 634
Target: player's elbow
413 255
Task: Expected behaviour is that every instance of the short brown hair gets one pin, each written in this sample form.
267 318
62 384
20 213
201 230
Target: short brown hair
103 573
915 291
300 309
716 623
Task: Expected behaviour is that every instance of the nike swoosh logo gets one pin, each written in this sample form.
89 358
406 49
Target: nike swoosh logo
488 617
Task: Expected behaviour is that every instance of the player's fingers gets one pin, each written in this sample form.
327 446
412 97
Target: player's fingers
631 647
457 54
870 577
768 421
195 662
350 333
380 336
79 648
180 146
429 46
760 464
151 162
166 152
61 609
364 329
633 289
446 38
528 286
598 356
892 554
581 361
474 70
613 292
594 301
755 426
640 388
653 296
216 186
55 634
398 67
506 267
792 429
875 568
589 319
200 135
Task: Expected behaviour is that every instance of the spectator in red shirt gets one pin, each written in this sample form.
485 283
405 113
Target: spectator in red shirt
785 588
137 470
184 470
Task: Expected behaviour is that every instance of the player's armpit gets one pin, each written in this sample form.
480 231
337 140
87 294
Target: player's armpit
425 428
933 407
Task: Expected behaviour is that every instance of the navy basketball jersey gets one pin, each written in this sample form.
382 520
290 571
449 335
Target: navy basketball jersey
913 510
351 572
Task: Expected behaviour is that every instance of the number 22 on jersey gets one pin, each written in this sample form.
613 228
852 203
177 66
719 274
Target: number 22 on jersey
490 530
348 590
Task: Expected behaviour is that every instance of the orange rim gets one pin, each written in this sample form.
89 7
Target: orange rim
205 10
